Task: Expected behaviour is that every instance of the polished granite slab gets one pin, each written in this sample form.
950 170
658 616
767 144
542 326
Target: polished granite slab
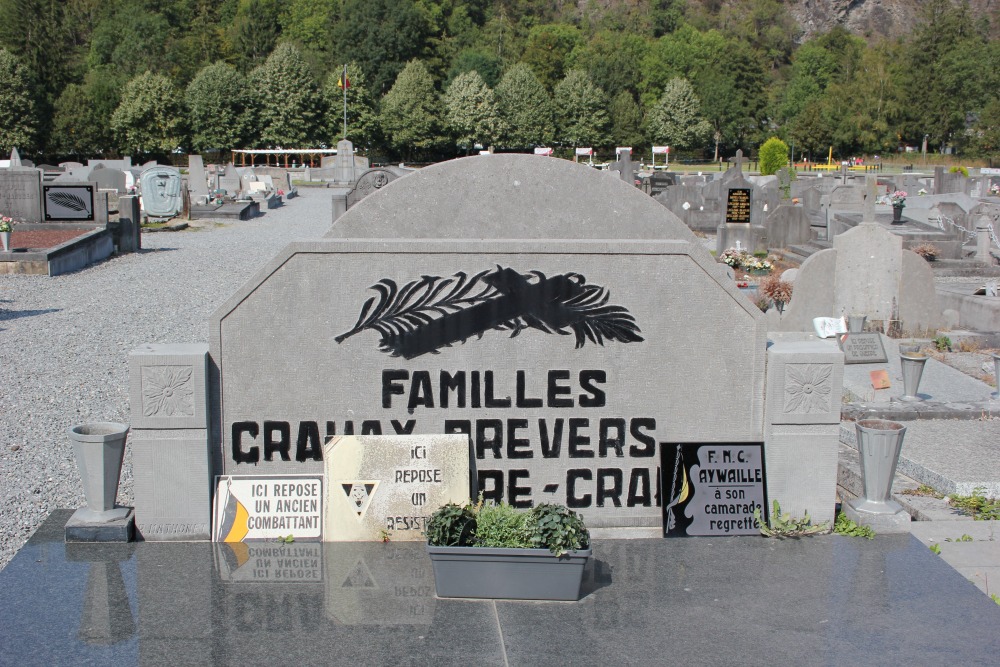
825 600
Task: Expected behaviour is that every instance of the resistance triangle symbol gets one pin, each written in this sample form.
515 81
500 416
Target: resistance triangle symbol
359 495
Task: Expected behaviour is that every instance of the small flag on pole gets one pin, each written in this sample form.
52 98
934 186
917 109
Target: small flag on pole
343 82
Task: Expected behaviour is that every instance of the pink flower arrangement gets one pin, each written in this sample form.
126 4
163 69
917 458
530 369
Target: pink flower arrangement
898 198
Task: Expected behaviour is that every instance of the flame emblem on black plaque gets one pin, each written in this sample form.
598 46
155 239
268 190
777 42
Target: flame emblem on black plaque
432 312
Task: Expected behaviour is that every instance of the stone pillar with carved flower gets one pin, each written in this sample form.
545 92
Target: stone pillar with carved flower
171 459
802 426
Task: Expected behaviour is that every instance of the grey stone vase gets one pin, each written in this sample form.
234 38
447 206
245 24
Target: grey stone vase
996 372
100 448
913 367
879 444
856 323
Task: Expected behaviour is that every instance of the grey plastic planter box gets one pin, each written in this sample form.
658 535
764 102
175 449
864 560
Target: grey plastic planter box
507 574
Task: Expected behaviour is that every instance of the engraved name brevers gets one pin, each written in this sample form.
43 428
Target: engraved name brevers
428 314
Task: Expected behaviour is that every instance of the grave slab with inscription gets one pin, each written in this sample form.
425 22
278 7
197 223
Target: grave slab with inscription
712 490
738 206
863 348
388 486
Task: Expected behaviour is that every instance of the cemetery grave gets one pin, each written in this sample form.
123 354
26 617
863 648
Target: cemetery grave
564 409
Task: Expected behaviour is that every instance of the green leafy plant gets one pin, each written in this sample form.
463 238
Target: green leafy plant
942 343
964 538
923 490
844 526
784 525
502 526
977 505
559 529
959 170
547 526
452 525
936 548
286 539
995 597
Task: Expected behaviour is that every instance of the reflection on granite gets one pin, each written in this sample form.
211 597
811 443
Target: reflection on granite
827 600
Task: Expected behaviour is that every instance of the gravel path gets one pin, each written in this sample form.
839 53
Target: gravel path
64 344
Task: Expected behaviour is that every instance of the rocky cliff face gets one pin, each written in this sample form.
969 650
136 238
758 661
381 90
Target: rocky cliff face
869 18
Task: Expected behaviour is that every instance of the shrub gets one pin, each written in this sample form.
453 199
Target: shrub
502 526
928 251
773 155
959 170
775 289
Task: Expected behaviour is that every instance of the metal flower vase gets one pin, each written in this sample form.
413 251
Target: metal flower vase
897 215
5 239
856 323
996 372
879 444
913 367
100 449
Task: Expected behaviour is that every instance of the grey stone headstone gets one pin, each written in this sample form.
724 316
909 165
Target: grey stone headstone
788 225
230 181
369 182
21 194
390 484
108 179
551 418
161 191
197 182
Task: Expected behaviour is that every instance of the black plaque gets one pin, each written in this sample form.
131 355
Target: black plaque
863 348
712 489
69 202
738 206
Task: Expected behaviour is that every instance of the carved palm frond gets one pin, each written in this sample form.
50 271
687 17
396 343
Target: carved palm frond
66 200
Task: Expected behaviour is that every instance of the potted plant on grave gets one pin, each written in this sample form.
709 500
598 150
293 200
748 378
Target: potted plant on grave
496 551
777 291
898 201
6 227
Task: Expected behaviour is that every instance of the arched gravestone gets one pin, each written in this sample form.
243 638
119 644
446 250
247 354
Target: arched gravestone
369 182
161 191
563 319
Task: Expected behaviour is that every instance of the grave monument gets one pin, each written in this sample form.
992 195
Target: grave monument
569 337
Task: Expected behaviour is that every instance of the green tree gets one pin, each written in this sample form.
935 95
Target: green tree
486 64
220 108
18 128
985 135
150 118
132 39
362 110
613 61
410 110
773 155
676 119
309 23
547 49
82 122
289 104
580 114
526 109
626 121
942 74
473 113
382 34
254 31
